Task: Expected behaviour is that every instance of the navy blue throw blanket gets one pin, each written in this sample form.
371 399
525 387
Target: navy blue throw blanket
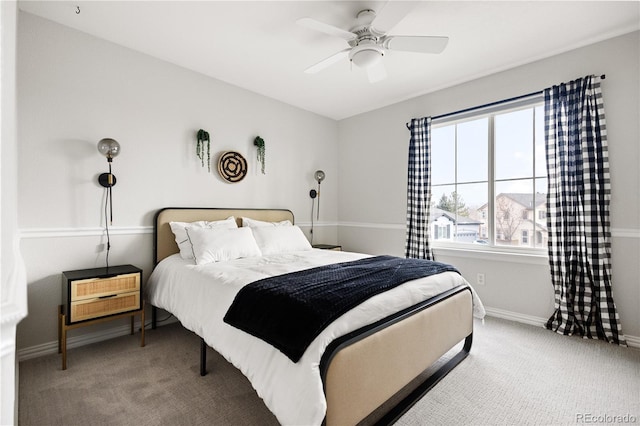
289 311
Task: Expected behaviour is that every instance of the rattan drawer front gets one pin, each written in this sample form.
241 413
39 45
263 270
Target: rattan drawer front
97 287
95 308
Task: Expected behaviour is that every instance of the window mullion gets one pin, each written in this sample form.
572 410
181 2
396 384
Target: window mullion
491 183
455 186
533 181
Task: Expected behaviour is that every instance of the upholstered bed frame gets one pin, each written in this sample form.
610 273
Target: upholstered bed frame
364 369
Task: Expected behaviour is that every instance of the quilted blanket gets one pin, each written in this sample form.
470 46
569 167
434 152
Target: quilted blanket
288 311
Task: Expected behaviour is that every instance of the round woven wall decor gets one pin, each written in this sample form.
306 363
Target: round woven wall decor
232 166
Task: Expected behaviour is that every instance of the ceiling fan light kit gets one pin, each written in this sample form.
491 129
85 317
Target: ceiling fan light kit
368 44
366 54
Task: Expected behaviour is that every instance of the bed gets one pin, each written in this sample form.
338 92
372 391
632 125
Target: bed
355 365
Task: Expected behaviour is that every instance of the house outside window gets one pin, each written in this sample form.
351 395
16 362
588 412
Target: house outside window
446 226
488 174
513 211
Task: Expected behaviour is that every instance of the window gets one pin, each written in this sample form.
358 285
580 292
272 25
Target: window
488 175
442 232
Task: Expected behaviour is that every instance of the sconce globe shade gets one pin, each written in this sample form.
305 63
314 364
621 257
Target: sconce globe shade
109 148
319 175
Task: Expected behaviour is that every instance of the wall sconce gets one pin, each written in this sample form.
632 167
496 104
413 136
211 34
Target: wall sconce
109 148
318 176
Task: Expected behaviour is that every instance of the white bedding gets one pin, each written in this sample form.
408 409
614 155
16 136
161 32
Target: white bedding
199 297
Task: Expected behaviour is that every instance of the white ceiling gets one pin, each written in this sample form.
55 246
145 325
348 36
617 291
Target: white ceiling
258 45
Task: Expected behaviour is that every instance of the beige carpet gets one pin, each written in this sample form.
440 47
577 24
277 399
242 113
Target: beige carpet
515 375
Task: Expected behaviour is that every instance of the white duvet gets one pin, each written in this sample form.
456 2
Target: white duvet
199 297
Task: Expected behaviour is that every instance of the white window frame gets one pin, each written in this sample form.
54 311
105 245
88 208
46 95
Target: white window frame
533 101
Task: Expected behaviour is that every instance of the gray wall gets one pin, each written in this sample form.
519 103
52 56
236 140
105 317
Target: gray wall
372 195
73 90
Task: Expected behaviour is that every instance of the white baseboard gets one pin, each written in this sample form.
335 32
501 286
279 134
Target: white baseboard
75 341
515 316
632 341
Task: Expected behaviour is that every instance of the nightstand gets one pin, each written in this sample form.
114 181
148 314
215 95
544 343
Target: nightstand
92 296
328 247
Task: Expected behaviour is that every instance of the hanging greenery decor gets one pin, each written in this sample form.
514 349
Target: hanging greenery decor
259 142
203 137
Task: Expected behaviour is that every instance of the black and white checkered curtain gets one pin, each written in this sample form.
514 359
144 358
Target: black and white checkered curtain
578 211
419 189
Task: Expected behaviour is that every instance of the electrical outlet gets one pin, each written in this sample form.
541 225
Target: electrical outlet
480 279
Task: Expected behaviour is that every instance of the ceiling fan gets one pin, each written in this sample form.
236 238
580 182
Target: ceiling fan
369 40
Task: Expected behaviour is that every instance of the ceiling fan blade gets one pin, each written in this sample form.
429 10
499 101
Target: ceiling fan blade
419 44
326 28
328 61
392 13
376 72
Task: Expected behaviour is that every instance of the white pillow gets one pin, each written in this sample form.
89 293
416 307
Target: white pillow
178 229
280 239
253 223
220 244
227 223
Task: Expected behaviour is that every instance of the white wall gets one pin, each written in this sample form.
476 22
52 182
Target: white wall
372 195
73 90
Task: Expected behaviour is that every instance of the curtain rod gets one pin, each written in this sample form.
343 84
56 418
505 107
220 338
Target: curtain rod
490 104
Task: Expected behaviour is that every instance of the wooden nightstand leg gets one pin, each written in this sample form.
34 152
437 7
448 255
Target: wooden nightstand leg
142 326
132 321
63 342
60 319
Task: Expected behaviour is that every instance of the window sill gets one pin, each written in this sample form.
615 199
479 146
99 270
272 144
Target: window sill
493 254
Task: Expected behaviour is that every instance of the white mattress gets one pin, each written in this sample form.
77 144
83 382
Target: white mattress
199 297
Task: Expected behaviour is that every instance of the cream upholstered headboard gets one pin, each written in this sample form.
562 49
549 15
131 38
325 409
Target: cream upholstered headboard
164 243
